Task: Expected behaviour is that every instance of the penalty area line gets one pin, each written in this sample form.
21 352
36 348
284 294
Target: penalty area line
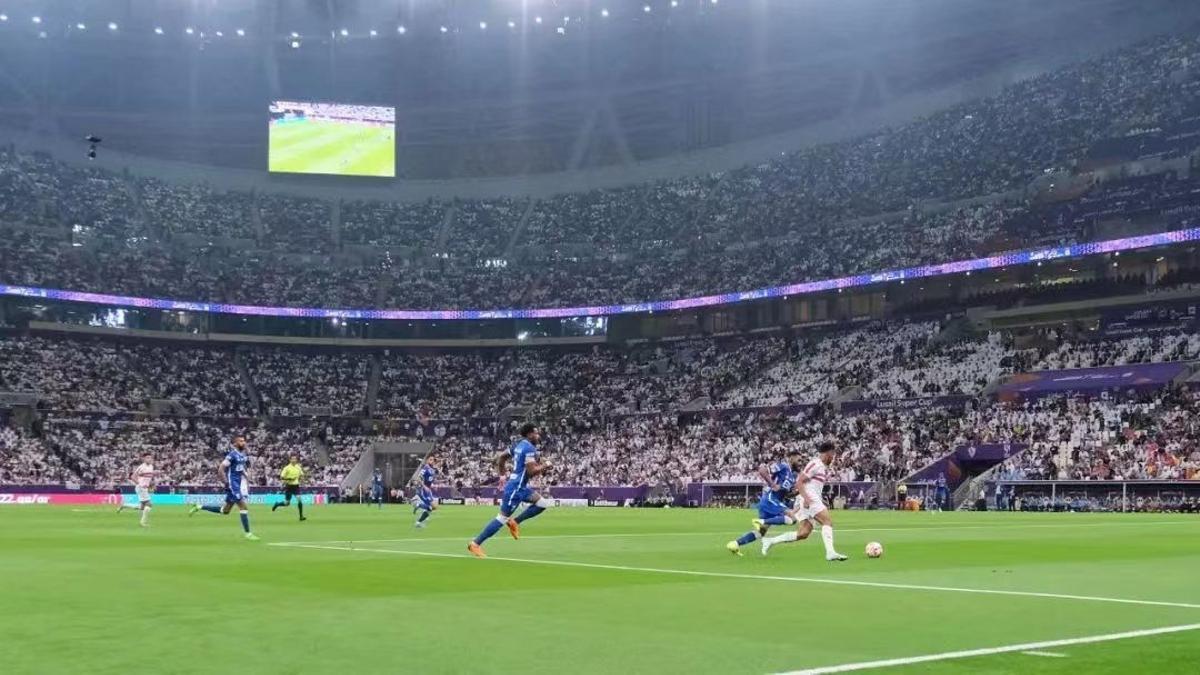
754 577
1032 648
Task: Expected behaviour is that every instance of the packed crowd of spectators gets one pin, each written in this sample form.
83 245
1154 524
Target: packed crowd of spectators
832 210
297 383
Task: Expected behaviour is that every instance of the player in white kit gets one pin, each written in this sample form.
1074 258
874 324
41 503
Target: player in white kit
811 505
143 485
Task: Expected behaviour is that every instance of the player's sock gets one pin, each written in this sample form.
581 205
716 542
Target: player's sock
778 520
245 520
534 509
490 529
145 516
529 512
210 508
827 537
785 538
277 505
424 515
747 538
300 505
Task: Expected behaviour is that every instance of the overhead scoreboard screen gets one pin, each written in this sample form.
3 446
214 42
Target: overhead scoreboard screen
332 138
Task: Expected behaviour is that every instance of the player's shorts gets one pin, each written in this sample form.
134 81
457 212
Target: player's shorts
769 507
514 495
377 492
237 493
143 493
290 491
424 500
810 513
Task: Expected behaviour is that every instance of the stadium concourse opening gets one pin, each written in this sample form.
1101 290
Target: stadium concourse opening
634 326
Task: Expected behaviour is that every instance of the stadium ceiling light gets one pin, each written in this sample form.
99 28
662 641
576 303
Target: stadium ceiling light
373 32
512 24
344 32
674 3
81 26
189 30
537 19
42 34
295 44
241 32
713 1
112 25
401 30
159 31
444 29
37 19
219 34
604 13
482 25
646 8
560 30
295 34
3 17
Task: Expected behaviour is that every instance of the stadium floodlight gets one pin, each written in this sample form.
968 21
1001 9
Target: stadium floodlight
604 13
560 30
241 32
512 24
713 1
674 3
81 26
219 34
444 29
3 17
295 35
344 32
373 32
295 44
189 30
482 25
646 8
401 30
112 25
159 31
37 19
537 19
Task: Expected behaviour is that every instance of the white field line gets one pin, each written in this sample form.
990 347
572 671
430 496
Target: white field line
1052 655
757 577
620 535
988 651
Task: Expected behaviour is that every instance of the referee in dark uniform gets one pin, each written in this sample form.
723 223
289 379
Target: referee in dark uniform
292 476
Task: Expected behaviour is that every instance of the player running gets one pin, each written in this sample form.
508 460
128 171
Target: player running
376 488
233 475
516 490
292 476
424 501
143 484
812 509
779 480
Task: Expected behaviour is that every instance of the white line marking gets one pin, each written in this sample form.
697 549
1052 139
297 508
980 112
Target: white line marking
757 577
1052 655
988 651
620 535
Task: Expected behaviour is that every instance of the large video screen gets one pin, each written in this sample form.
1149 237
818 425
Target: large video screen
332 138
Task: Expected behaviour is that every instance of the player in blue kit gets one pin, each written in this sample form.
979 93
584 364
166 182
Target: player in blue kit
424 500
233 475
525 466
376 488
776 501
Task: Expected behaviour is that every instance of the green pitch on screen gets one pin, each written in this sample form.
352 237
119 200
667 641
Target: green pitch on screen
336 148
625 591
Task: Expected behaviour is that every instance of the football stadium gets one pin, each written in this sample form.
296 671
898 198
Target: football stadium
549 336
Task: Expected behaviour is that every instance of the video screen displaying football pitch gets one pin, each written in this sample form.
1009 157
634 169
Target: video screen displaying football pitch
332 139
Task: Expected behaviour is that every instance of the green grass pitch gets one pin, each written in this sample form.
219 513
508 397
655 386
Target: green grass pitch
322 147
590 591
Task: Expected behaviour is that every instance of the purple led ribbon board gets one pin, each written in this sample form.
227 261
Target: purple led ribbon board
957 267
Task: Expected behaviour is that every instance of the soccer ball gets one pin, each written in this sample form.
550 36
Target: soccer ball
874 550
